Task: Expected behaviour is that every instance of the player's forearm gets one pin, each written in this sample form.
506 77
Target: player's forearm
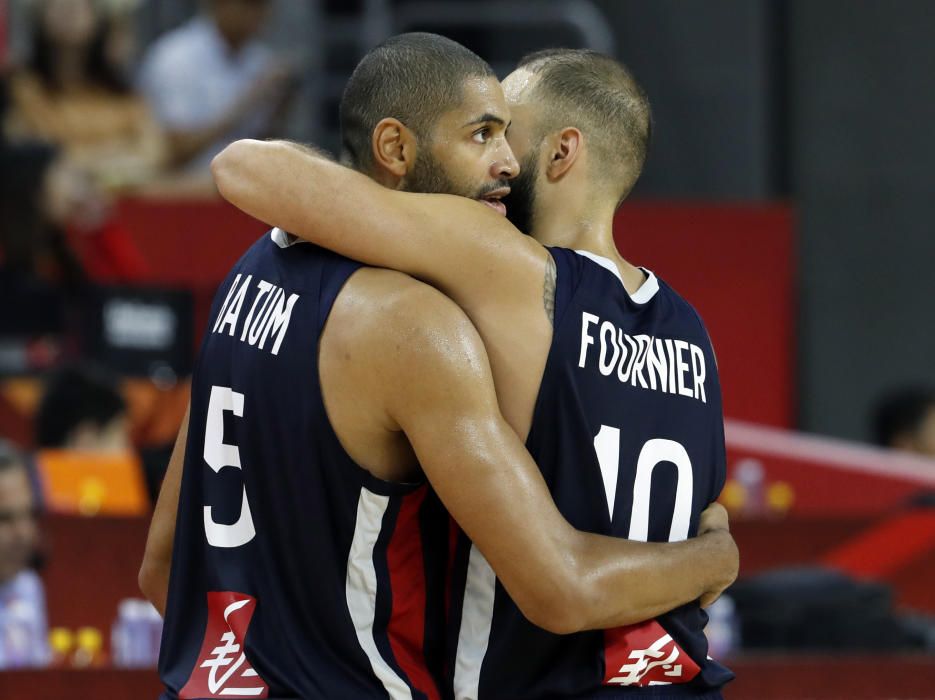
294 187
157 559
302 191
627 582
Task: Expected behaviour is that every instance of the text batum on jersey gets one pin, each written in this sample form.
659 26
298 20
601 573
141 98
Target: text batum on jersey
660 364
256 313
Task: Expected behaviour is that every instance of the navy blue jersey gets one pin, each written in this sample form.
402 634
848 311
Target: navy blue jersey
628 432
295 572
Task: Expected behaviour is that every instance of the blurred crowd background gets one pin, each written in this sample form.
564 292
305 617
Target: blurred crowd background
787 194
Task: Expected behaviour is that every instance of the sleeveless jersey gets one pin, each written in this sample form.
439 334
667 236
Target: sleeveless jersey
295 572
628 432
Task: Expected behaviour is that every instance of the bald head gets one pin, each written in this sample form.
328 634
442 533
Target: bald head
600 97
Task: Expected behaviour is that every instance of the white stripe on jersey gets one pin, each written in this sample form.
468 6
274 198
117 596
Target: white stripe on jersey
476 621
642 295
361 589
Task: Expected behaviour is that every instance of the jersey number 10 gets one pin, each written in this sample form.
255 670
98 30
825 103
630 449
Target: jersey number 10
653 453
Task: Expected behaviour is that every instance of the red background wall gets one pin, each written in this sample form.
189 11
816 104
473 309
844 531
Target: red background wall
735 265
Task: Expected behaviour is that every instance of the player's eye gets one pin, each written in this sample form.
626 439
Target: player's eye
482 135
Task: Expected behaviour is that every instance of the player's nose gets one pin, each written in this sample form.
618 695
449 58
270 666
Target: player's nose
505 166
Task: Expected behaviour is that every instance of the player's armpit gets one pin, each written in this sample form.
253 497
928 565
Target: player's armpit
157 560
441 395
456 244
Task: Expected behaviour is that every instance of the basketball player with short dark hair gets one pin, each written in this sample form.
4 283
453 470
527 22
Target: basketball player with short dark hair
601 366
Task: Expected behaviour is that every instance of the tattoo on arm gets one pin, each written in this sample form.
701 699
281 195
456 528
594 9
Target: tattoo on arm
548 291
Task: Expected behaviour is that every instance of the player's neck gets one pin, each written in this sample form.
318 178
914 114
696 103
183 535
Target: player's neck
588 229
592 232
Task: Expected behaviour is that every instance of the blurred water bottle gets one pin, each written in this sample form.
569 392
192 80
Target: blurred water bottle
723 630
750 475
135 635
22 637
154 631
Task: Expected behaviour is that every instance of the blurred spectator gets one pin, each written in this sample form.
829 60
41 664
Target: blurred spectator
74 95
905 420
38 193
82 409
211 82
47 206
23 626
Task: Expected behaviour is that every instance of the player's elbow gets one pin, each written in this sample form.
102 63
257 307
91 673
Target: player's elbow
557 620
557 605
229 167
146 579
152 580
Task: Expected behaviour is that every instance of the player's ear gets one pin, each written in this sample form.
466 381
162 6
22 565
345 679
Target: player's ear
394 147
564 148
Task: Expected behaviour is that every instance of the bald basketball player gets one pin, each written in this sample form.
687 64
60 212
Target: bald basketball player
307 553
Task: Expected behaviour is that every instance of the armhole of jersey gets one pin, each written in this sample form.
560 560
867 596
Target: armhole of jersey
567 277
327 297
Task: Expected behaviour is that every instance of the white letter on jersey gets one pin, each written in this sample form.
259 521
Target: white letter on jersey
680 347
219 455
230 318
653 453
586 339
217 321
264 288
278 322
607 446
608 337
698 370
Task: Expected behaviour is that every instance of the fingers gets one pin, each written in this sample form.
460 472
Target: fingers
714 517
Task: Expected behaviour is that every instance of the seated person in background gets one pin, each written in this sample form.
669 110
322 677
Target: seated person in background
39 194
71 94
23 625
82 409
211 82
905 420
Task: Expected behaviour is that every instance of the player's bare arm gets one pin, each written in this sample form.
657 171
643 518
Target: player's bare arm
157 560
428 383
454 243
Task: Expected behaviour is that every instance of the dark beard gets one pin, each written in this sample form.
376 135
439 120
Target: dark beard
521 201
429 176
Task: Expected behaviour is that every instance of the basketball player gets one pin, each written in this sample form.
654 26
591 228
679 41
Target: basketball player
615 387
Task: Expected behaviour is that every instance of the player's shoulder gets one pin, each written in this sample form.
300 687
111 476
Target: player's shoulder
383 306
685 309
676 299
390 337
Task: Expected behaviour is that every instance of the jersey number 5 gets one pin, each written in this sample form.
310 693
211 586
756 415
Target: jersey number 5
218 455
653 453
